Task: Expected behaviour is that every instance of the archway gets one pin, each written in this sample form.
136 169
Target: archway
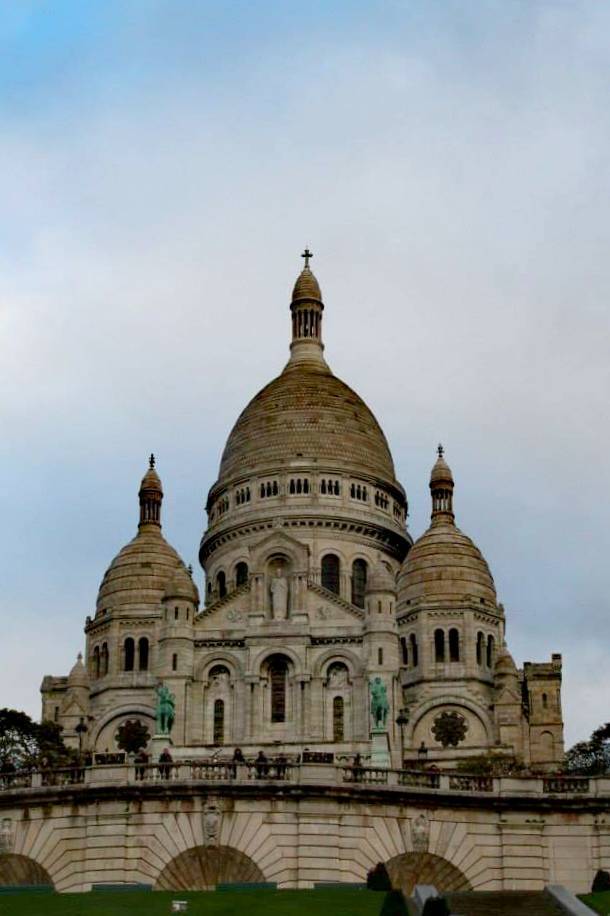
413 868
203 867
21 871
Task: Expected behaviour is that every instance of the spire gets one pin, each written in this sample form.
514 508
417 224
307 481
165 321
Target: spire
151 497
441 488
306 307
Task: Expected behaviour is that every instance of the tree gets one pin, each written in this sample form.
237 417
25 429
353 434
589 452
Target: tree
592 757
132 736
24 743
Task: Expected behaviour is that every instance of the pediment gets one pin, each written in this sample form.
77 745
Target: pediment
279 541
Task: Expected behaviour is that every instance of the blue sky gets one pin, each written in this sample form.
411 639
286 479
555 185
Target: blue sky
162 166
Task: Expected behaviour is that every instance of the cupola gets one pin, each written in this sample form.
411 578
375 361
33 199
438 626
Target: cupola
151 496
306 308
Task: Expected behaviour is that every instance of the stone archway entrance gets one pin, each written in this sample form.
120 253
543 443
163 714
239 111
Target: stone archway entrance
20 871
203 867
413 868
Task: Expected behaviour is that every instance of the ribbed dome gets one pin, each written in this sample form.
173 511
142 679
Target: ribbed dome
445 564
381 580
182 586
78 675
306 287
140 573
504 665
306 413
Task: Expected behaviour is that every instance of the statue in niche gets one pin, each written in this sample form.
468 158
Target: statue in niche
337 675
166 710
279 595
6 835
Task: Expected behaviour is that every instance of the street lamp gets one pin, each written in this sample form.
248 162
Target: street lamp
401 721
80 730
422 752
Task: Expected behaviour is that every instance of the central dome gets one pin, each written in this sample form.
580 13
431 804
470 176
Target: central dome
307 414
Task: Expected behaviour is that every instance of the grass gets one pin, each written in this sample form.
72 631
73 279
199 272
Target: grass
348 902
598 902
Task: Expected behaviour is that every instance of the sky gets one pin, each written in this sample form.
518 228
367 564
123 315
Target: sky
162 166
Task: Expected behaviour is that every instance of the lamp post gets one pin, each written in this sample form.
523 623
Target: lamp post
401 721
80 730
422 753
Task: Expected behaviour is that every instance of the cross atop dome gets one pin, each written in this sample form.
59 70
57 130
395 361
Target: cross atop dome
307 254
151 461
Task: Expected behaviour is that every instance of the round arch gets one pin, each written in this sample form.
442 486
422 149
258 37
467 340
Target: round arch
338 654
219 658
202 868
21 871
266 653
411 868
458 701
127 710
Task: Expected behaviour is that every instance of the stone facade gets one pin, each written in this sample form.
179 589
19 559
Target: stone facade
313 586
203 827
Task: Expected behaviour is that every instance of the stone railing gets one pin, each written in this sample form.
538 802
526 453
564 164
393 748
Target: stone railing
284 770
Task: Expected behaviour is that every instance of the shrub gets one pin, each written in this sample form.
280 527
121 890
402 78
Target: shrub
601 882
436 906
394 904
378 878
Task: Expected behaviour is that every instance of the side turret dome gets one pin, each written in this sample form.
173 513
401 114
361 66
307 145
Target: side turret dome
182 586
444 563
381 580
78 676
140 572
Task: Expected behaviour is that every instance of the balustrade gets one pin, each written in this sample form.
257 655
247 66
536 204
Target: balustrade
419 779
467 783
562 784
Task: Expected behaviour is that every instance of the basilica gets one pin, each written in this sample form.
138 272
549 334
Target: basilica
314 589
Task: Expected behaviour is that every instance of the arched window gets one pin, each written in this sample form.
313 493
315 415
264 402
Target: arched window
338 726
480 642
545 701
380 656
278 675
490 651
439 646
96 661
209 589
219 674
414 655
241 574
221 584
219 722
405 651
330 572
454 645
104 659
129 653
358 582
143 653
323 488
175 661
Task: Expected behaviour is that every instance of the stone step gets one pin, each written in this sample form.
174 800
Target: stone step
503 903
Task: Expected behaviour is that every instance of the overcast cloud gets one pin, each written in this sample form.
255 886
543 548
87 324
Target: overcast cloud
162 165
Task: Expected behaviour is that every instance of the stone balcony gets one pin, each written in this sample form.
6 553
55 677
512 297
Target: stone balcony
274 773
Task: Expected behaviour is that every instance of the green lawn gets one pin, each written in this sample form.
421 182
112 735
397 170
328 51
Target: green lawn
598 902
348 902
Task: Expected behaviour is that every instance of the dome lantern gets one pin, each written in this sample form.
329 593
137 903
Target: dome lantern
441 488
151 496
306 308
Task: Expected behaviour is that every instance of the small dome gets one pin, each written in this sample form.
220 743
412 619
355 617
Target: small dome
139 574
504 665
445 564
441 472
381 580
181 585
306 287
151 480
78 676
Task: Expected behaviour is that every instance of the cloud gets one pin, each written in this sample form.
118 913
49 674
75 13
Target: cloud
159 177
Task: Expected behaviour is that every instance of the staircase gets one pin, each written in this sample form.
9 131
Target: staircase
503 903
